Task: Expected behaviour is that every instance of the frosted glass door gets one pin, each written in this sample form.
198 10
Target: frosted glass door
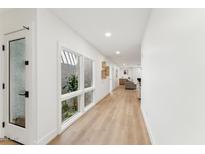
17 91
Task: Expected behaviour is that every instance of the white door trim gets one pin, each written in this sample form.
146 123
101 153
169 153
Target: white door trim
1 91
28 133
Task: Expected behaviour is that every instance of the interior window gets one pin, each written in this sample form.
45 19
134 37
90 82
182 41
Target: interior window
88 99
88 73
70 71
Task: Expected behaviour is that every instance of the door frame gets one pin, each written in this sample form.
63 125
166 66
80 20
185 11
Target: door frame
111 86
1 91
29 34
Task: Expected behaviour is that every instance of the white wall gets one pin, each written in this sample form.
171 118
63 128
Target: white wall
50 30
11 20
14 19
173 84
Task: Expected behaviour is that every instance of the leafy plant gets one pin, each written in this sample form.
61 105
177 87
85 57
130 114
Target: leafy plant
65 110
71 83
65 107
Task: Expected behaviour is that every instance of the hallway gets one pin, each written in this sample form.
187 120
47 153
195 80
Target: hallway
117 119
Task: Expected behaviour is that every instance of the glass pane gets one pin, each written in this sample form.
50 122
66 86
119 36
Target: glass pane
69 108
88 73
70 70
17 82
88 98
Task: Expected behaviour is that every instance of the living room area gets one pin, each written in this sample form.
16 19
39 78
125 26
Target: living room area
130 77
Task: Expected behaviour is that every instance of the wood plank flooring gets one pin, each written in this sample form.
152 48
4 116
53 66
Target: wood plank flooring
117 119
7 142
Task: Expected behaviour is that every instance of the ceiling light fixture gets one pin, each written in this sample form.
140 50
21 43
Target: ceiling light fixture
117 52
123 64
108 34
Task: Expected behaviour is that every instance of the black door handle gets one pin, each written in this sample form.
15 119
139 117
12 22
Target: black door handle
26 94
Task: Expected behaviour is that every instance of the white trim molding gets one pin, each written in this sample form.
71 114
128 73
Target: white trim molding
1 91
47 138
148 126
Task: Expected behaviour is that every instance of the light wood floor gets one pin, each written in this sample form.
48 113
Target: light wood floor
117 119
8 142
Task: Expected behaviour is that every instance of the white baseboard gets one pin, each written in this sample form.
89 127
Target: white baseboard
47 138
89 107
148 126
69 122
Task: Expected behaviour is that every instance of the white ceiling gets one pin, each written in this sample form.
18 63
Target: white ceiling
126 25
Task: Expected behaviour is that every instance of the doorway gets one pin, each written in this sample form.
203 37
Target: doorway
111 79
17 80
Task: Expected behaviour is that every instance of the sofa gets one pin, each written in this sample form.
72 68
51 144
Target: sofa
130 85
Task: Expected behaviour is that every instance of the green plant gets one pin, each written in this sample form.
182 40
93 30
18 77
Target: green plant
75 107
65 110
65 107
69 111
71 83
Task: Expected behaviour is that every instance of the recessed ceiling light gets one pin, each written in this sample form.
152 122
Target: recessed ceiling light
123 64
108 34
117 52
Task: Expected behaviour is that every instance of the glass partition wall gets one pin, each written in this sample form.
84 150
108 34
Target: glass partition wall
70 71
77 84
88 81
88 73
